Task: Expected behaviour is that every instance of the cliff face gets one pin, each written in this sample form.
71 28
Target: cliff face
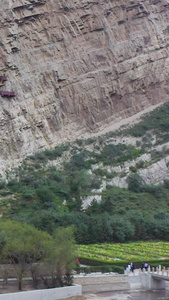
76 64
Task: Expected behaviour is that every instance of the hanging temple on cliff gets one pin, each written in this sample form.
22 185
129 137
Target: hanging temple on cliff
3 78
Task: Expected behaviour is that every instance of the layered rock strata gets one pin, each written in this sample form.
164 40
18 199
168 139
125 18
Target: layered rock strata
77 64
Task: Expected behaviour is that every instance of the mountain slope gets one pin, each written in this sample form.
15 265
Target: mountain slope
76 65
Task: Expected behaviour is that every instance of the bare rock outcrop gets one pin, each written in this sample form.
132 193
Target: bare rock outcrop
77 64
157 172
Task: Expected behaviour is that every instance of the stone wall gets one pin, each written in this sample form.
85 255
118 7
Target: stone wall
49 294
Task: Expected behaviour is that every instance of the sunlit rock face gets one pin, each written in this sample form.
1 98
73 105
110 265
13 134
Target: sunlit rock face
76 65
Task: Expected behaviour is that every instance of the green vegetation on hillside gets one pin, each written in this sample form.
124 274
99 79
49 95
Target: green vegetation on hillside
49 188
156 121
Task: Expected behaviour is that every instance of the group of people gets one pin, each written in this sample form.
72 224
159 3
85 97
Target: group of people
144 266
131 267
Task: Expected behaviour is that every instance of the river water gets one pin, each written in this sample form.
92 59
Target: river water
153 295
132 295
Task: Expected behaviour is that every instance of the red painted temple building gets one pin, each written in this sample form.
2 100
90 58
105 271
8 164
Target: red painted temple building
3 78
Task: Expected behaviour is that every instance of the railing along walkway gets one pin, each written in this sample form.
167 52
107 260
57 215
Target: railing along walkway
153 279
156 273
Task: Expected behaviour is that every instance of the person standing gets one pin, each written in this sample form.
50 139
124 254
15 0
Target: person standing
146 266
132 266
142 266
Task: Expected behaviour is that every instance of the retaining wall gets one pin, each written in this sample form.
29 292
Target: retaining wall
145 281
99 279
46 294
102 283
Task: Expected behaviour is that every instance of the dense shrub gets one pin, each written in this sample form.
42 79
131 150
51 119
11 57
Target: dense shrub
135 183
2 184
103 269
122 229
156 120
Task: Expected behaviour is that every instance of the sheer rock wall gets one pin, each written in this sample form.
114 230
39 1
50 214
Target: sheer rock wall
75 65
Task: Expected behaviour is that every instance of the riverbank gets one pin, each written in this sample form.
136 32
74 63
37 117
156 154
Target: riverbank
109 287
115 287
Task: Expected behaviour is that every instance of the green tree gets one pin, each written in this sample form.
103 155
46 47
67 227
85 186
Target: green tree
136 218
80 184
94 208
123 230
61 259
23 244
100 229
46 196
135 183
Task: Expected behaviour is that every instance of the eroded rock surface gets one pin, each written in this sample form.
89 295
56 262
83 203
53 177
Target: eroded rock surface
76 64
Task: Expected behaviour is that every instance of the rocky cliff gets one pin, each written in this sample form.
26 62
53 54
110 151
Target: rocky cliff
77 64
